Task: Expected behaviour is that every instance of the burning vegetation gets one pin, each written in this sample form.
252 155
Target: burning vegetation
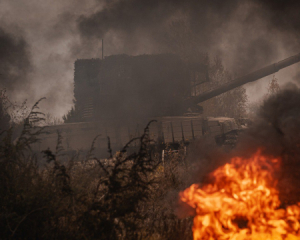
242 202
255 195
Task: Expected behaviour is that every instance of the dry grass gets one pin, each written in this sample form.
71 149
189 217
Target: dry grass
71 197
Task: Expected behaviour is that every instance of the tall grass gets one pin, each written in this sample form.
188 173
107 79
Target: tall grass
126 196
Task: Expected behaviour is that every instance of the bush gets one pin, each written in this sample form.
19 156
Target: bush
126 196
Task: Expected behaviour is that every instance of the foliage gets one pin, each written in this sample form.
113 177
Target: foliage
4 116
229 104
18 112
12 114
51 120
273 87
72 197
72 116
163 221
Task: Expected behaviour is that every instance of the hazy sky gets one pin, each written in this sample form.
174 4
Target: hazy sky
40 40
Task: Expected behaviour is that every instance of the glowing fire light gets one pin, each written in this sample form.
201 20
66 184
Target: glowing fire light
242 203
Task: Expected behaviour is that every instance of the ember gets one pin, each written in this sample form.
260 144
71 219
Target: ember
242 203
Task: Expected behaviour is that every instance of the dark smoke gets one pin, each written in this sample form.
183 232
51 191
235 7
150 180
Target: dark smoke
130 17
246 34
283 15
277 127
276 131
47 33
14 61
145 25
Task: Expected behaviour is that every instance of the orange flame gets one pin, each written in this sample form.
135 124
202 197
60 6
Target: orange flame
242 203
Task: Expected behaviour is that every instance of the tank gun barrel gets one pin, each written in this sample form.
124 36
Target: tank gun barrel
251 77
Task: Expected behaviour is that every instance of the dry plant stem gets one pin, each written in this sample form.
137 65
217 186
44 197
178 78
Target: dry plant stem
16 228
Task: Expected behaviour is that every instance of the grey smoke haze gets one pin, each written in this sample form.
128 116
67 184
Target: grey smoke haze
276 131
246 34
15 63
48 31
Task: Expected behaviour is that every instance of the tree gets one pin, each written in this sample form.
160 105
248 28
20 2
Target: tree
273 87
73 115
185 42
229 104
4 116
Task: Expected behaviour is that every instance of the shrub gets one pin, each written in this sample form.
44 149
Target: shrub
126 196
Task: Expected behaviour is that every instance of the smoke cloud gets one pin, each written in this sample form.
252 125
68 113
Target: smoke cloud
245 34
37 60
15 61
276 131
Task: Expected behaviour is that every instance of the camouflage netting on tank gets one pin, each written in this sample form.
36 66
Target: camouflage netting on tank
131 87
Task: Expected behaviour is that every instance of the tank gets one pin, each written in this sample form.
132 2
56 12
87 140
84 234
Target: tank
102 108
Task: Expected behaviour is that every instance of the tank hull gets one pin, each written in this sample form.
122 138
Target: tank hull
164 131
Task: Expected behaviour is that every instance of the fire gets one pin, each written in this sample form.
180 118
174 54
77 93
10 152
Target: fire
242 203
